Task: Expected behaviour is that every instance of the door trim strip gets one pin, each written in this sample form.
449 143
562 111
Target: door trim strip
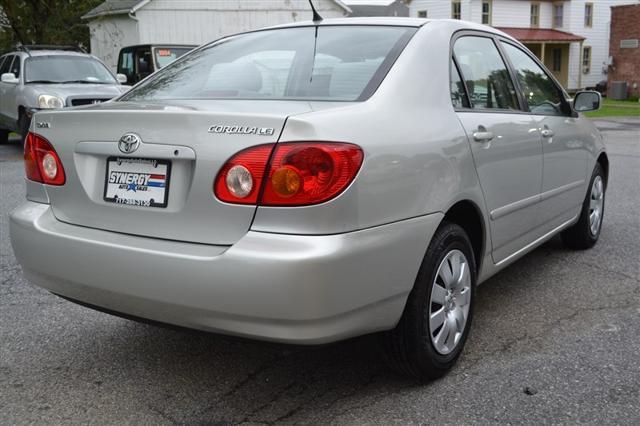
529 201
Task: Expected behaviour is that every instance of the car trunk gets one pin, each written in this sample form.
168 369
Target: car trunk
176 136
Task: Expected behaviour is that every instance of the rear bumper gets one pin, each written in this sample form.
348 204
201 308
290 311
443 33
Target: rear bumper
287 288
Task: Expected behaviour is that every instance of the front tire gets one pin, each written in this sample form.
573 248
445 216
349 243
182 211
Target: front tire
586 232
24 123
435 324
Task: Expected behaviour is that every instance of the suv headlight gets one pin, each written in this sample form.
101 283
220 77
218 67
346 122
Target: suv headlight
50 102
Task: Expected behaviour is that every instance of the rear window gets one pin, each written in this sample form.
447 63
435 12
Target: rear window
338 63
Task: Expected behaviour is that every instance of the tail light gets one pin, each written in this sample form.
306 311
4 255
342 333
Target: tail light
240 179
41 161
289 174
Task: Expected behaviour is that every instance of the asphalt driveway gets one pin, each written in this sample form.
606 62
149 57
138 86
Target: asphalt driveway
556 339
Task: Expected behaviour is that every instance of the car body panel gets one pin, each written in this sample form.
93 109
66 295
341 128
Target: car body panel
296 289
310 274
177 133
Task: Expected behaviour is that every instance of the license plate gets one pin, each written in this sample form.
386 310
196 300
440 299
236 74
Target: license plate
137 182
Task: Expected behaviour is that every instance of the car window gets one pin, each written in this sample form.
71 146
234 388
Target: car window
458 94
66 69
6 64
538 89
166 55
485 73
339 63
15 66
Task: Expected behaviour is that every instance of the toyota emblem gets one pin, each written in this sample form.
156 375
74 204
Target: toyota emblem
129 142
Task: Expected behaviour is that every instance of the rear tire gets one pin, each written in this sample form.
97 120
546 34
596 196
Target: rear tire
585 233
4 136
416 347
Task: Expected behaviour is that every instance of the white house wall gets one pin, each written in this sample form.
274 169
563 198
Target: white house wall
436 9
109 35
597 37
197 22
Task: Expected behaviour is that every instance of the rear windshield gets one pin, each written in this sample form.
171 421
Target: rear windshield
337 63
66 69
166 55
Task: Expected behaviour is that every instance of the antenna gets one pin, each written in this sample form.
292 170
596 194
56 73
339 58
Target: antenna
316 15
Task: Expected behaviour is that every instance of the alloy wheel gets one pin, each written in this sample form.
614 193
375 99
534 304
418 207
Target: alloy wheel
596 204
450 302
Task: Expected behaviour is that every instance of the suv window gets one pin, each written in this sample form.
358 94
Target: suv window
4 68
15 66
488 80
126 63
538 89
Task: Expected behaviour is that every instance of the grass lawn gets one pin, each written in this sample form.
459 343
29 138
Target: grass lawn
611 108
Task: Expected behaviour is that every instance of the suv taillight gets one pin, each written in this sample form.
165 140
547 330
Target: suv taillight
41 161
289 174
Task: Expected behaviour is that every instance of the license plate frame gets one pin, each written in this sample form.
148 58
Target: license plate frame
145 166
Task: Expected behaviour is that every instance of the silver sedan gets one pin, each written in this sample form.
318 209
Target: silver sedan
313 182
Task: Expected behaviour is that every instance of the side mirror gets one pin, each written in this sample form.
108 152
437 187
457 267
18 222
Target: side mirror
9 77
121 78
587 101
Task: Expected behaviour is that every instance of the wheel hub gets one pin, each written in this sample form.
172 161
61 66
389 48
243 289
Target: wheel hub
450 302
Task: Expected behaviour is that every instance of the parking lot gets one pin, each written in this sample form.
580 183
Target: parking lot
556 339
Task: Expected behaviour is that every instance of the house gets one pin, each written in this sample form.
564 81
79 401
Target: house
378 7
118 23
624 47
571 37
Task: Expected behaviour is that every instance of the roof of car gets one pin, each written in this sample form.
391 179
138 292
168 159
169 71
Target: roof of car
51 52
453 24
370 20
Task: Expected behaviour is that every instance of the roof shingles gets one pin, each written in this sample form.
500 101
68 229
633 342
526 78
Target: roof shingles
540 34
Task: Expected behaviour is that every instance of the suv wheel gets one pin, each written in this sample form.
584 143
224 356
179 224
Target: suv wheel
23 126
435 324
585 233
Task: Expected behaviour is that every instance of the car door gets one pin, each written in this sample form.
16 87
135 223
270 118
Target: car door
565 155
505 143
6 94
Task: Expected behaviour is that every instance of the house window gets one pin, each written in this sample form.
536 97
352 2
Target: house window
486 12
557 60
535 15
588 15
422 14
456 9
558 15
586 59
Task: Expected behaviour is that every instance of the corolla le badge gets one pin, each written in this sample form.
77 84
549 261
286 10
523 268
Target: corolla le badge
242 130
129 142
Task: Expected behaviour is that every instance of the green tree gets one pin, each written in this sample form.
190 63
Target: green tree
44 22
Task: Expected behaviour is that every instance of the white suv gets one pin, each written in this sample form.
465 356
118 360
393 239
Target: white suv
49 77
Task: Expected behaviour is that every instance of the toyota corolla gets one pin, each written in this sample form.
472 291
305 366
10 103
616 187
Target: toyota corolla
313 182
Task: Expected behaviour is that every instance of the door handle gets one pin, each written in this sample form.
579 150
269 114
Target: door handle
547 133
482 136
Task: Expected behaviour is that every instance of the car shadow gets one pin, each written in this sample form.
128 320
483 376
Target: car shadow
206 378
